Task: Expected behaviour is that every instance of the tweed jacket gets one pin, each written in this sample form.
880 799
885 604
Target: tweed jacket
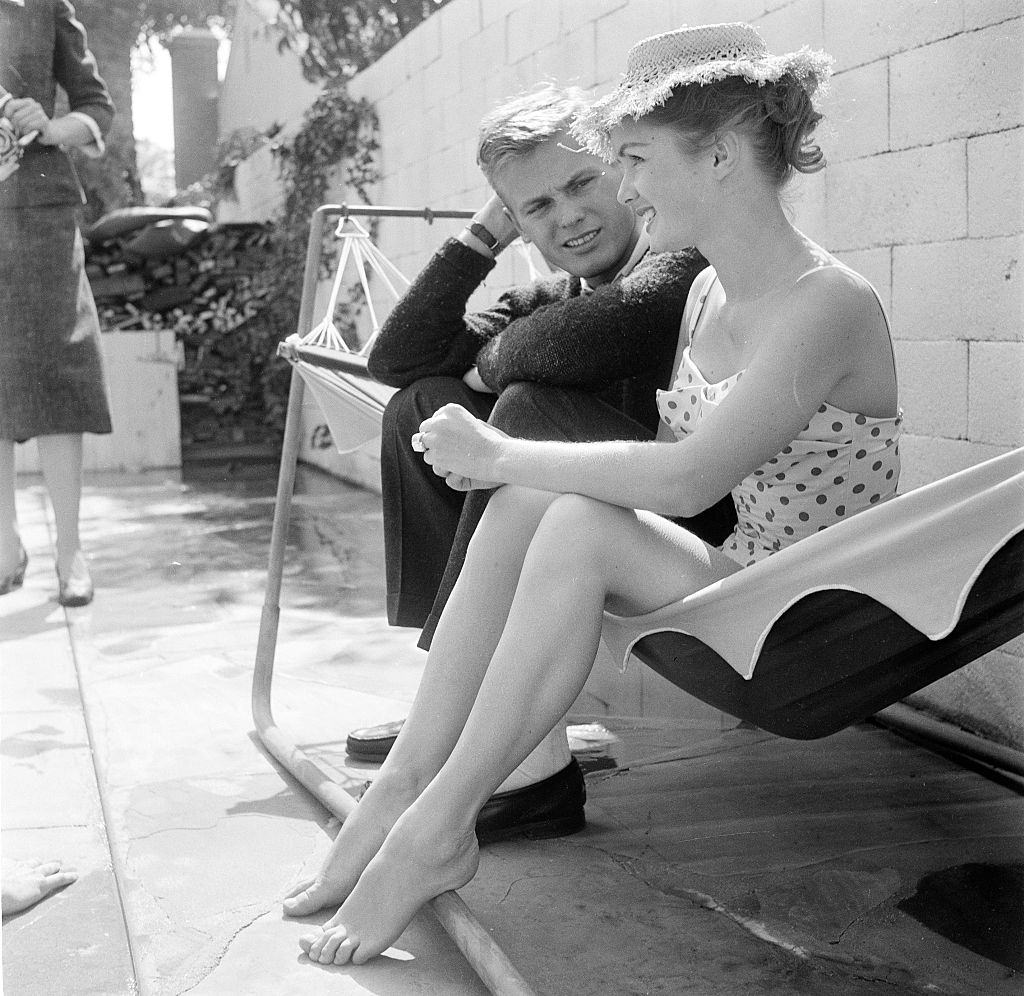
42 44
618 340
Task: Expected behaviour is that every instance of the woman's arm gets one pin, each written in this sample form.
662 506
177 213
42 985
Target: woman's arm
809 347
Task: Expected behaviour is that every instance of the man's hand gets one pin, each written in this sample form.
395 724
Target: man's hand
460 448
496 219
472 379
494 216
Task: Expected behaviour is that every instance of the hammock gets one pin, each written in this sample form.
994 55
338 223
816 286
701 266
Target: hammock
850 620
819 636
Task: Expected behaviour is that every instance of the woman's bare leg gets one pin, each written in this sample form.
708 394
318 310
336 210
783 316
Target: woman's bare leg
585 555
10 540
455 667
61 460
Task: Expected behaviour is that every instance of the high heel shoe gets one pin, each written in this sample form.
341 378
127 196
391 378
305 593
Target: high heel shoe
75 590
16 578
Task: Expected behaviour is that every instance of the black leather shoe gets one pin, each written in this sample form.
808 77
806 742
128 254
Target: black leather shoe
551 808
372 743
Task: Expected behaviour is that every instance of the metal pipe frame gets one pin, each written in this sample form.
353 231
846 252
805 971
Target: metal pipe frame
488 960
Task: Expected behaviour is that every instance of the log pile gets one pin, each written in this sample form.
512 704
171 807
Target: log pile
208 284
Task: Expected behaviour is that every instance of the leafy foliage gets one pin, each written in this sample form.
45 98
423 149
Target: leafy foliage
338 135
336 40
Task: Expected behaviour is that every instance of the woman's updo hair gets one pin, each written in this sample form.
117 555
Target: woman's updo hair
779 118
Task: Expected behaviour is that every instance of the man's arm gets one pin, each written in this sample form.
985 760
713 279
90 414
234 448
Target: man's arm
429 332
622 329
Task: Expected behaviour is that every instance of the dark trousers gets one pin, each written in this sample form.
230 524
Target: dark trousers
427 526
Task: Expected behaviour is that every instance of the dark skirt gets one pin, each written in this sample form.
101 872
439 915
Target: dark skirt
51 372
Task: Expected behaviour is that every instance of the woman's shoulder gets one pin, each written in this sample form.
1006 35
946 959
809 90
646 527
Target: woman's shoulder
836 294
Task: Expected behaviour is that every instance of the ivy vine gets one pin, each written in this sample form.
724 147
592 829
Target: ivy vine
338 139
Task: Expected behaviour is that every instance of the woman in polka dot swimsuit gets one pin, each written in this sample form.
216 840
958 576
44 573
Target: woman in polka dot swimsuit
785 396
840 463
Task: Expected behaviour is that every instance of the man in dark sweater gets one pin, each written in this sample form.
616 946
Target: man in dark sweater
576 356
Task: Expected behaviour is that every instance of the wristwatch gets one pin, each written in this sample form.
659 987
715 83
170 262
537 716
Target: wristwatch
484 235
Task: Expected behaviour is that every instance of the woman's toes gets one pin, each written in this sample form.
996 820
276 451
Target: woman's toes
313 944
301 903
332 939
345 949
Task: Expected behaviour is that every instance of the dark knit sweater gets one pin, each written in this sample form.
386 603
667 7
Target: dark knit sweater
620 340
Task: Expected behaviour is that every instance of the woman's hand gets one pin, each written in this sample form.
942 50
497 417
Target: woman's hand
27 115
460 448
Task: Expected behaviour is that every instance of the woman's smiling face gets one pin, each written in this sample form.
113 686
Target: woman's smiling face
661 182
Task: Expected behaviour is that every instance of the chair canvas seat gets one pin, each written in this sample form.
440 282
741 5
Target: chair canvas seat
917 554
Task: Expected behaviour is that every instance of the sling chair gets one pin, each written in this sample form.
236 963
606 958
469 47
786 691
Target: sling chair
821 635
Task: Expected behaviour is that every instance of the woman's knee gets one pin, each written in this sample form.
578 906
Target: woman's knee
575 530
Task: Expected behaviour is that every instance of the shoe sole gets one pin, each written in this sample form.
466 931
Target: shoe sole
563 826
369 750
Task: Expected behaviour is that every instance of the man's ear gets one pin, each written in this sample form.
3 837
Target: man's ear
515 224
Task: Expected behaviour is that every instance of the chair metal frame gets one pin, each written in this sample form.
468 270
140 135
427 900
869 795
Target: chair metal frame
488 960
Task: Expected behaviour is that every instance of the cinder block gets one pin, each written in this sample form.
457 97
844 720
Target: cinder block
980 13
457 22
859 33
994 184
919 195
857 114
714 11
477 57
495 11
577 13
441 78
791 25
619 31
933 387
875 265
805 199
928 458
569 60
996 408
958 88
422 46
530 27
967 289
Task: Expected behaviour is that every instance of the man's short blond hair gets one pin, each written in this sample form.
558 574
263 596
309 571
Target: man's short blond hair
522 123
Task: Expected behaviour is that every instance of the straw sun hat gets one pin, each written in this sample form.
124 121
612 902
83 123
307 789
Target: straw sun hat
699 55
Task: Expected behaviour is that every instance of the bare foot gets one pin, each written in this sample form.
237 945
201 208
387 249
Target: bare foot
415 864
26 883
359 839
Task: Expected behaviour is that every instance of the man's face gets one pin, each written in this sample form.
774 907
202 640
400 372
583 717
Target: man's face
564 202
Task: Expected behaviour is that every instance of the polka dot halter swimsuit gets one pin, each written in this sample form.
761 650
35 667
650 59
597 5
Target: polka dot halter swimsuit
841 463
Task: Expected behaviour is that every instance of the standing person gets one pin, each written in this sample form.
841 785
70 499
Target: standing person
576 356
51 378
788 364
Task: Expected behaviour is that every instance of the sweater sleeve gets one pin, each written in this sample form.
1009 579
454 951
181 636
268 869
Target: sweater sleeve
430 334
620 330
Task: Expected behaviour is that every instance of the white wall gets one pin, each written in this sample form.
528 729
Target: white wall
924 136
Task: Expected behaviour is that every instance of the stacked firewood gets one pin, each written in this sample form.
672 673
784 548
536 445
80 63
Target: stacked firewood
208 285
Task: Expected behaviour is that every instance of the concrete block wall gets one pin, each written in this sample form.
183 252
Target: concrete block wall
923 134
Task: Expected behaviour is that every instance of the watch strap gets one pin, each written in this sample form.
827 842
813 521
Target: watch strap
484 235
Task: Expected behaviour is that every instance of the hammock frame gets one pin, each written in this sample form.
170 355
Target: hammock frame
480 950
